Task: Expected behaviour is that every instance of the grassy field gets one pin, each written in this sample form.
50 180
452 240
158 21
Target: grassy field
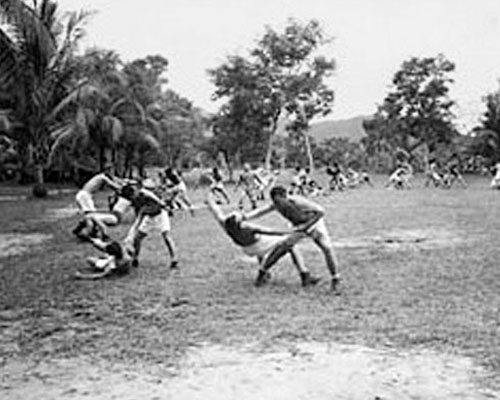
444 297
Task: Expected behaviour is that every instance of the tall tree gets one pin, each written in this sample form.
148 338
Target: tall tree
486 136
417 110
108 113
283 74
36 72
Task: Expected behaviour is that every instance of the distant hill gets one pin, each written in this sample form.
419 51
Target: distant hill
351 128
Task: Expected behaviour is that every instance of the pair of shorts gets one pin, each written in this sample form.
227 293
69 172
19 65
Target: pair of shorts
159 222
263 246
319 232
121 206
85 201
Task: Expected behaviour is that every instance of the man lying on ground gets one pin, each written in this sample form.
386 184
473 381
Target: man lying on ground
116 262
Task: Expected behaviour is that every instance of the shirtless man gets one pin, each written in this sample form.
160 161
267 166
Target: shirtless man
495 181
249 182
432 174
84 198
217 184
152 215
259 241
177 189
117 261
99 220
307 220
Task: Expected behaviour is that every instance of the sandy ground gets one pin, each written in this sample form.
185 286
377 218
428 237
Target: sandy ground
311 371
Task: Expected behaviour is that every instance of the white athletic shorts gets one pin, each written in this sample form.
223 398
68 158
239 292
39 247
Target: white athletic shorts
102 263
264 245
121 205
319 231
160 222
85 201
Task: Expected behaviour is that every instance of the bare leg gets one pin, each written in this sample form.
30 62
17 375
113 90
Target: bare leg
323 242
138 238
169 242
223 193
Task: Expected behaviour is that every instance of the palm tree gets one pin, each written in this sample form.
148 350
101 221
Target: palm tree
37 67
103 115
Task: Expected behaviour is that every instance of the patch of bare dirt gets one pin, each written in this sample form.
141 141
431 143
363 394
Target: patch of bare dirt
310 371
13 244
401 239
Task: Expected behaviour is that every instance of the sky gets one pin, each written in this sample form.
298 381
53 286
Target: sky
371 39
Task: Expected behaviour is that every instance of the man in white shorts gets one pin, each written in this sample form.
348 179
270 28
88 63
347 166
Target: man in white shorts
495 182
84 197
101 219
307 220
152 215
259 241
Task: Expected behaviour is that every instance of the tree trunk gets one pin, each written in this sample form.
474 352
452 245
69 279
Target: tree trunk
309 155
269 153
39 178
272 132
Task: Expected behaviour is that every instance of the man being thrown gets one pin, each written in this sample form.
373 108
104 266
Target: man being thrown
97 221
259 241
307 219
84 197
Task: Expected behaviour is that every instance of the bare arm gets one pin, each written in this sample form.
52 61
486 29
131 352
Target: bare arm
98 243
259 212
264 230
154 197
215 210
314 211
112 183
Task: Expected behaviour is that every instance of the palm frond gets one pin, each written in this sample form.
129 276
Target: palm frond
112 126
60 136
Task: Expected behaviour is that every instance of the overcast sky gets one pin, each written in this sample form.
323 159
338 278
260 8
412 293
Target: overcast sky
372 39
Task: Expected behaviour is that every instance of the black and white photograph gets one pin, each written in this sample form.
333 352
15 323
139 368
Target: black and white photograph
242 200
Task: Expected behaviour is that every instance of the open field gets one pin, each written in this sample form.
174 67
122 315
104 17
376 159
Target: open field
421 282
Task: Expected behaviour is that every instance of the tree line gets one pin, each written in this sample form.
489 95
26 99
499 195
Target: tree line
64 113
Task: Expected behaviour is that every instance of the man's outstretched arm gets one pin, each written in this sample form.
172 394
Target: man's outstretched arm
259 212
215 209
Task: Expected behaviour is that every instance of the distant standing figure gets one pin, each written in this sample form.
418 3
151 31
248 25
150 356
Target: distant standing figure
178 189
217 185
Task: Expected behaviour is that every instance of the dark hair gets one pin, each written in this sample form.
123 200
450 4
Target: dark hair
277 191
127 192
231 222
114 249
